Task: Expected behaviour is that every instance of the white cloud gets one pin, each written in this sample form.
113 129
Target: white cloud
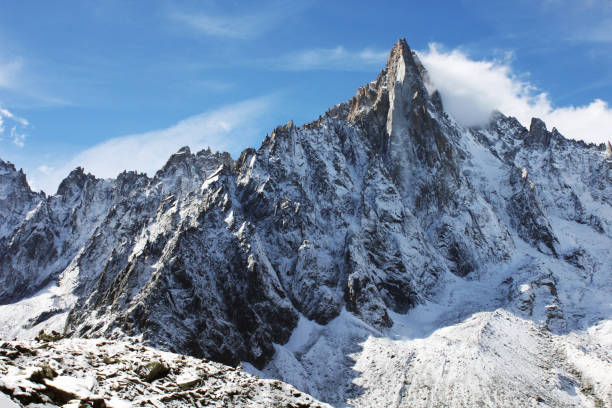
210 85
224 129
338 58
16 127
598 32
17 137
11 125
240 25
591 123
45 169
8 73
472 89
5 113
20 86
223 26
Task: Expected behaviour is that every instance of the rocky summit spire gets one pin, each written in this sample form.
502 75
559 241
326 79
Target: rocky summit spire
403 69
609 150
382 106
413 139
538 134
404 74
401 56
395 110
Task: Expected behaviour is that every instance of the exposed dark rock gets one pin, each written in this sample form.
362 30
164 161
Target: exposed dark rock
538 135
527 216
153 371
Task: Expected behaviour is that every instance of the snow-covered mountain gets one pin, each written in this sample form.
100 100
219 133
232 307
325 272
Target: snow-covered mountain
382 255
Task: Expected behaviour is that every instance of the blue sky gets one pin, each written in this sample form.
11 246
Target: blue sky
115 84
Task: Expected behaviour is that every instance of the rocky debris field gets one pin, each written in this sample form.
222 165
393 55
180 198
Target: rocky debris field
99 373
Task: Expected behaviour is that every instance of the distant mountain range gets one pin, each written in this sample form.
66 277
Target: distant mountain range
383 255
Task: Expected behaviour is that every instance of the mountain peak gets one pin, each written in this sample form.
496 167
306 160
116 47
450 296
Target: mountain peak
538 134
537 125
183 150
400 48
180 155
7 165
74 182
385 212
400 82
403 58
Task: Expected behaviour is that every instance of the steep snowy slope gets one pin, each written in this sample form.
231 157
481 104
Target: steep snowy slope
380 255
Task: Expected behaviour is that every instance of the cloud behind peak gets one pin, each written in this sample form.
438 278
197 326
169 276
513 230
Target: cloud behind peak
472 89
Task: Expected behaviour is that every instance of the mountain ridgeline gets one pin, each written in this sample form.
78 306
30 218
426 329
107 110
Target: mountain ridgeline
367 209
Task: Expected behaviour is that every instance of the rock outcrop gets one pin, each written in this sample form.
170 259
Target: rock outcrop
75 373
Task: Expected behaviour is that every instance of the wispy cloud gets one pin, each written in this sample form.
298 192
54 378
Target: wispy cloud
13 127
22 87
8 72
577 5
472 89
224 129
333 59
241 24
17 137
598 33
45 169
585 21
210 85
8 115
224 26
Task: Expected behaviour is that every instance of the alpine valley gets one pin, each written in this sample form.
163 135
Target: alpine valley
383 255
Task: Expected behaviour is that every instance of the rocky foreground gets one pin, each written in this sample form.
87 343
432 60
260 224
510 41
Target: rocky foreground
97 373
